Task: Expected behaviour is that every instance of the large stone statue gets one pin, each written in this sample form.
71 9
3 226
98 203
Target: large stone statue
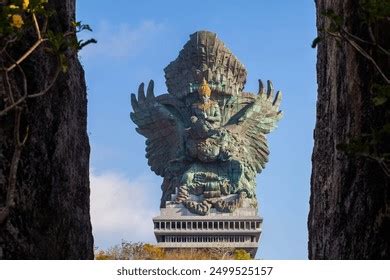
206 137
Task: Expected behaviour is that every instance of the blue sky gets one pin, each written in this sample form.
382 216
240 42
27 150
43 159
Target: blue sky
136 40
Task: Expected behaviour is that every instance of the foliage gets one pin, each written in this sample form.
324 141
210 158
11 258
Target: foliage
374 10
130 251
241 254
19 19
199 254
152 252
145 251
103 256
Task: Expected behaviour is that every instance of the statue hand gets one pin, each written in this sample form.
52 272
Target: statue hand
194 119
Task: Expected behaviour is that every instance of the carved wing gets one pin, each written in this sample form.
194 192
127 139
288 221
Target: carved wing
163 129
253 122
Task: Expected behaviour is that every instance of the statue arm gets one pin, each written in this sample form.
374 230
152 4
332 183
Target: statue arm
216 117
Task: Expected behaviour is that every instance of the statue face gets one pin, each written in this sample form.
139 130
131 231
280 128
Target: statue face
204 98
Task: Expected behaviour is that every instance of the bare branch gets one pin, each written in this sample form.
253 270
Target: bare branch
69 33
23 142
367 42
18 143
9 87
25 91
361 51
42 92
13 39
36 26
366 55
15 161
10 93
26 54
44 27
9 108
385 168
371 33
356 37
12 177
52 82
381 161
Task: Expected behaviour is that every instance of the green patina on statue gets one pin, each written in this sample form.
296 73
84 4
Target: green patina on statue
206 136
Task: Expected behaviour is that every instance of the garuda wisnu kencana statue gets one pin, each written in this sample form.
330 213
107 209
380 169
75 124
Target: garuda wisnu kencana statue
206 137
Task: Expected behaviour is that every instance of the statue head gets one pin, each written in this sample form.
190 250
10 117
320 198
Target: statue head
205 55
204 91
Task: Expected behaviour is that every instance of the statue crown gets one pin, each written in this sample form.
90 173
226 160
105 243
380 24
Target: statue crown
204 89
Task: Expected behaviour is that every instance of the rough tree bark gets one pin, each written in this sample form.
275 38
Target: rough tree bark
51 219
350 198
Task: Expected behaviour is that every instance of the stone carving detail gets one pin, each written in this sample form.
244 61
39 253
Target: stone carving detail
206 136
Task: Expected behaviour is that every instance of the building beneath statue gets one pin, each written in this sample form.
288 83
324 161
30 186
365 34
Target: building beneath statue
177 228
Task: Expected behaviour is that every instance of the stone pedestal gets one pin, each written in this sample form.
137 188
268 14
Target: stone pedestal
176 227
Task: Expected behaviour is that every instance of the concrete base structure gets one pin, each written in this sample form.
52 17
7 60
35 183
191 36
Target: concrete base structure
177 228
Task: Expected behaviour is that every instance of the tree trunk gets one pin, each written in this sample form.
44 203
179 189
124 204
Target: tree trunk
51 218
350 196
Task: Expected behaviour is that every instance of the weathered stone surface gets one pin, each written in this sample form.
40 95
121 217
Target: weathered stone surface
350 198
205 56
51 219
206 137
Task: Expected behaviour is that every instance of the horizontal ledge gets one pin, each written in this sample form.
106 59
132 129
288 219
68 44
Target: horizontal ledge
207 218
232 231
207 244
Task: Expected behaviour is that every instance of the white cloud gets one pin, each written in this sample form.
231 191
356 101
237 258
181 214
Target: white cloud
121 209
121 41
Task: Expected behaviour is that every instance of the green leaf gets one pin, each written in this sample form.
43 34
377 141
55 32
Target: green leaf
83 44
379 100
316 41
